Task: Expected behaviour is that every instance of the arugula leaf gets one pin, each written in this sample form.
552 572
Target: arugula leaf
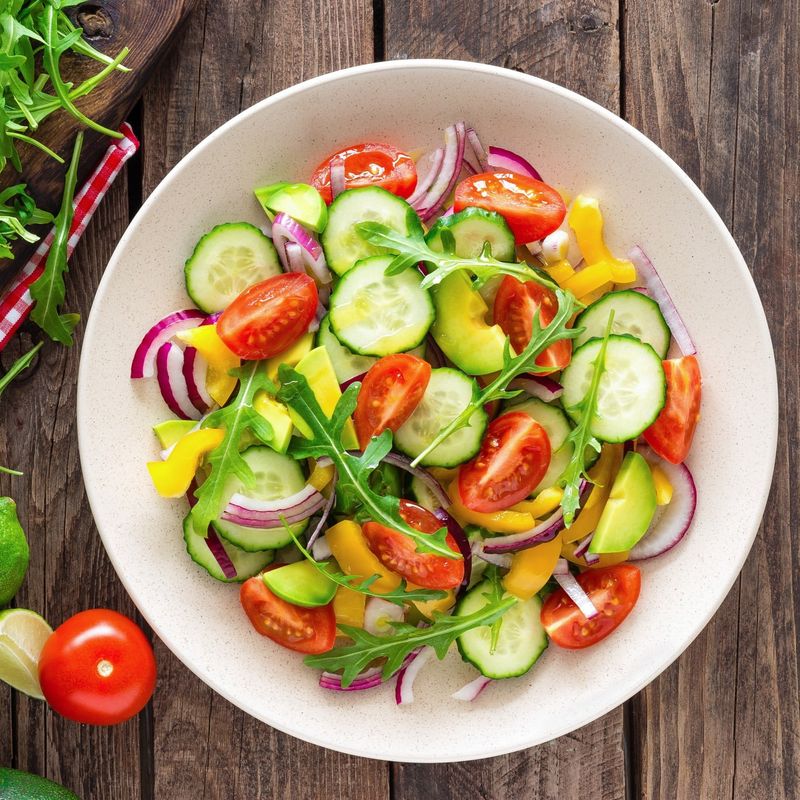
49 289
581 438
353 469
226 460
440 634
22 363
412 249
356 583
494 596
541 338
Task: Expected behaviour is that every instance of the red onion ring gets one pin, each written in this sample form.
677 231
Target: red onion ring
501 159
172 383
144 359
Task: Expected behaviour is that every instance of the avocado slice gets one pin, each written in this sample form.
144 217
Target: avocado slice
171 430
630 508
278 417
460 327
300 583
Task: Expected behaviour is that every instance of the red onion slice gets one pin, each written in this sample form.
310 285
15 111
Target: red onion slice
195 369
501 159
583 546
655 286
566 580
544 388
320 549
464 546
433 353
294 257
320 526
219 553
366 680
478 150
144 359
472 690
455 140
251 512
285 230
502 560
418 472
350 381
379 614
338 177
172 383
428 167
404 688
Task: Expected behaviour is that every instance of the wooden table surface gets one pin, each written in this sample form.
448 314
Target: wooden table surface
715 83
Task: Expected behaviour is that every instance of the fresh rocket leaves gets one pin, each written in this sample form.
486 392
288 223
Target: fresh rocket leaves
581 437
493 596
353 469
513 366
17 211
225 460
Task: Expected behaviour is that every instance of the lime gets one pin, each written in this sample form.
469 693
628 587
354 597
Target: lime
22 637
16 785
14 553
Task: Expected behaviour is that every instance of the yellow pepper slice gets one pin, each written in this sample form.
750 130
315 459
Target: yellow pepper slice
499 521
221 360
532 568
292 356
350 549
606 559
348 607
544 503
427 607
321 476
662 484
173 476
560 272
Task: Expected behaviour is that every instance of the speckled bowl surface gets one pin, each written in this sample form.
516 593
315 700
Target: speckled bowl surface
575 144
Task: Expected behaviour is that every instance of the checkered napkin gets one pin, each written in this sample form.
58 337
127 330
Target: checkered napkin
15 301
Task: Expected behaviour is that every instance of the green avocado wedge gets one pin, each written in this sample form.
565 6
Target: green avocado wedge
15 785
300 583
629 510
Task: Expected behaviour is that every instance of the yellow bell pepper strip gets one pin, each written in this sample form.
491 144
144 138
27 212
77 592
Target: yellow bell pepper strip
543 504
605 559
602 475
348 607
173 476
560 272
498 522
220 360
662 484
427 607
321 476
532 568
292 356
350 549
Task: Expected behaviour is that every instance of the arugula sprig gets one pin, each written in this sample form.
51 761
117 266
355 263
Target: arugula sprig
440 635
353 469
493 596
580 437
399 596
226 460
541 338
412 249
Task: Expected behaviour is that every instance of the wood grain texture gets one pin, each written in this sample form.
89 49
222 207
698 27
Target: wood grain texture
717 86
229 56
577 46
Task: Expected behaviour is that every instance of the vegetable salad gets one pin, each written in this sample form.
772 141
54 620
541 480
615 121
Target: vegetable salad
425 405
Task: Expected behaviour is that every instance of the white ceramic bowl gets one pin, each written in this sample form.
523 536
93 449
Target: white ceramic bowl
576 144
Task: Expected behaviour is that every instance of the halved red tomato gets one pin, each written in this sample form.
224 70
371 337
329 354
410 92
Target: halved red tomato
369 164
306 630
389 393
269 316
513 459
614 592
531 208
398 552
514 307
671 434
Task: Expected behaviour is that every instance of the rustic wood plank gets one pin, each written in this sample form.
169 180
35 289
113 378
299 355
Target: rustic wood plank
69 570
227 58
717 86
577 46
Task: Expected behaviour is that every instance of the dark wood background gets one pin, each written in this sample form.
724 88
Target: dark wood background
715 83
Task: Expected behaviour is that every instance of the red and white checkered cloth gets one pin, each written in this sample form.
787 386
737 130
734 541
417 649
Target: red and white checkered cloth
15 301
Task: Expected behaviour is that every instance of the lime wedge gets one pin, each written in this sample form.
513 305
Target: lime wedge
22 637
299 200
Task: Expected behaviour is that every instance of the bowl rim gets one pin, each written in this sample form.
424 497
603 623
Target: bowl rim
760 493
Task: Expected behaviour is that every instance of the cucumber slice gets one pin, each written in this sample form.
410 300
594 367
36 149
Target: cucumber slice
374 314
277 476
343 246
299 200
632 392
246 564
228 259
423 495
521 641
472 228
448 393
634 313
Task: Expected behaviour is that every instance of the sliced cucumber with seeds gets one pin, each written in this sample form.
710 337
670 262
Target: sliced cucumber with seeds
277 476
374 314
521 640
342 244
471 229
227 260
634 313
632 388
448 393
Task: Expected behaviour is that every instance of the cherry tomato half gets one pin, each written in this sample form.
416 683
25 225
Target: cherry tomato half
306 630
513 459
389 393
531 208
398 552
370 164
98 668
671 434
269 316
514 307
614 592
